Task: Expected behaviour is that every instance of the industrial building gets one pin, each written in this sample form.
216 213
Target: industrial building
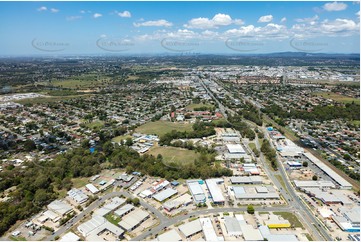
196 191
350 219
250 168
91 188
314 184
183 200
232 225
124 210
328 197
171 235
60 208
70 236
108 207
251 234
266 234
254 192
215 191
294 164
133 220
77 195
165 194
343 184
208 230
276 222
96 225
246 180
191 228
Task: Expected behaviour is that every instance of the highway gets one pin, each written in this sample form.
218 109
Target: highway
290 194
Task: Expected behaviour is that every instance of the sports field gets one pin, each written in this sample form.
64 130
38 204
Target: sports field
173 154
337 97
199 105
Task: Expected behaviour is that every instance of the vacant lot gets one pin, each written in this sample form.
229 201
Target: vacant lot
162 127
172 154
337 97
121 137
199 105
291 218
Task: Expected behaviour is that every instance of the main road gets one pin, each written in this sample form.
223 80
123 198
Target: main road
290 194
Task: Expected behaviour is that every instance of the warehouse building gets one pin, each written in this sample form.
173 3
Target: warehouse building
313 184
108 207
196 191
254 193
276 222
208 230
266 234
60 208
124 210
191 228
343 184
165 194
215 191
251 234
77 195
183 200
70 236
171 235
96 225
133 220
350 219
246 180
294 164
232 226
91 188
329 197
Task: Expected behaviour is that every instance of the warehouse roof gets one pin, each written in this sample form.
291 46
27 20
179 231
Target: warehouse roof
60 207
170 235
92 188
191 228
70 236
246 179
184 199
208 229
134 219
249 233
214 190
163 195
235 148
232 225
319 183
124 209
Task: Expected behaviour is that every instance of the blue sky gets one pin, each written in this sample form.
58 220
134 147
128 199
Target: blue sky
28 28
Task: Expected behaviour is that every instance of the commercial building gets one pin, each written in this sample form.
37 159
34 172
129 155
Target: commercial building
196 191
254 192
250 234
108 207
191 228
340 181
77 195
276 222
314 184
235 149
208 230
124 210
294 164
91 188
70 236
60 208
215 191
232 226
183 200
165 194
133 220
328 197
246 180
92 228
171 235
266 234
350 219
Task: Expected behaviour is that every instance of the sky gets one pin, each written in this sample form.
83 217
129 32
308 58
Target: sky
86 28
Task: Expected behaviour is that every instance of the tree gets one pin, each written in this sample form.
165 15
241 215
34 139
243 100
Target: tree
29 145
314 178
250 209
305 163
136 201
129 142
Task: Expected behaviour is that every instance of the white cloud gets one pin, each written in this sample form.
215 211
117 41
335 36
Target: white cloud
271 30
54 10
97 15
43 8
312 20
339 26
335 6
72 18
265 19
125 14
156 23
218 20
284 19
82 11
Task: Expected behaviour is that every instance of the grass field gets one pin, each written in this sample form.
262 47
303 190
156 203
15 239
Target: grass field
198 105
95 124
252 146
80 182
162 127
291 218
337 97
173 154
50 99
113 219
18 238
121 137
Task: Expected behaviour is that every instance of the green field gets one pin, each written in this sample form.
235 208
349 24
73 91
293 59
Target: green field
81 82
252 146
337 97
291 218
19 238
80 182
172 154
95 124
162 127
50 99
121 137
113 219
198 105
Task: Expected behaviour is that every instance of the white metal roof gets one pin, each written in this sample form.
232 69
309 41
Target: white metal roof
215 191
161 196
208 229
235 148
232 225
133 219
249 233
60 207
124 209
70 236
92 188
170 235
190 228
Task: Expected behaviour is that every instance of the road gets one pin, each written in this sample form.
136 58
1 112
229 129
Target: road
290 194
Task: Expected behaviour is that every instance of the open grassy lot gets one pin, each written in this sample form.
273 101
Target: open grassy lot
49 99
252 146
19 238
95 124
121 137
173 154
199 105
337 97
291 218
113 219
80 182
162 127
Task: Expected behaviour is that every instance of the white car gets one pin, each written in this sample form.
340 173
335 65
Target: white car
16 233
